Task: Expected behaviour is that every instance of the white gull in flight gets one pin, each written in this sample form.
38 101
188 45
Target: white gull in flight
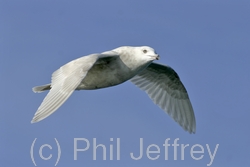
110 68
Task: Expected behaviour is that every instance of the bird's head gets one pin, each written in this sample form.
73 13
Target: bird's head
137 57
147 53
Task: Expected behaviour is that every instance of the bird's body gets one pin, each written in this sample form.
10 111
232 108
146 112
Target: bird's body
114 67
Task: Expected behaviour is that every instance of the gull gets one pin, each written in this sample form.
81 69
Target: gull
110 68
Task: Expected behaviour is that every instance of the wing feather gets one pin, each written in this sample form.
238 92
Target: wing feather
64 81
164 87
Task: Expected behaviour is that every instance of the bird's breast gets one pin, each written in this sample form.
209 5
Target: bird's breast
106 74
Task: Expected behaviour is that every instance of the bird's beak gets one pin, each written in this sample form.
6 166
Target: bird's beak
157 57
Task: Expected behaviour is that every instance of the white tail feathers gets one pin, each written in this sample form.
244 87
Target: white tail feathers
39 89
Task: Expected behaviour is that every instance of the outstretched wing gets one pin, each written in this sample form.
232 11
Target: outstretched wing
65 80
164 87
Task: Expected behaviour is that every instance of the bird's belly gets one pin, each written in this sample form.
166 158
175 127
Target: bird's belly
102 76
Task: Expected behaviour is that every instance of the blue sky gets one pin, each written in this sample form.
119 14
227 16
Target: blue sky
206 42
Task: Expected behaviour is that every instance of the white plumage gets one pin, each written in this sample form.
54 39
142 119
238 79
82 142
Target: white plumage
110 68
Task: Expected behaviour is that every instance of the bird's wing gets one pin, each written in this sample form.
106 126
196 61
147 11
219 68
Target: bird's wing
65 80
164 87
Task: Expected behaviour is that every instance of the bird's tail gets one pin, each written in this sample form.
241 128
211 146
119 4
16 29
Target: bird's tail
39 89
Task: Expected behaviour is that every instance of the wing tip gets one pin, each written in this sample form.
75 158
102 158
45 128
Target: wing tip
192 131
190 128
34 120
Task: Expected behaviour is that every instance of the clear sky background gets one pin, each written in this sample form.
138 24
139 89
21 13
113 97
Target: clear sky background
206 42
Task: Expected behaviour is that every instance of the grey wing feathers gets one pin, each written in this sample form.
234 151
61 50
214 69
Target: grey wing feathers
163 86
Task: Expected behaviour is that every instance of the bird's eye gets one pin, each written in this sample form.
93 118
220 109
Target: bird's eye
145 51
